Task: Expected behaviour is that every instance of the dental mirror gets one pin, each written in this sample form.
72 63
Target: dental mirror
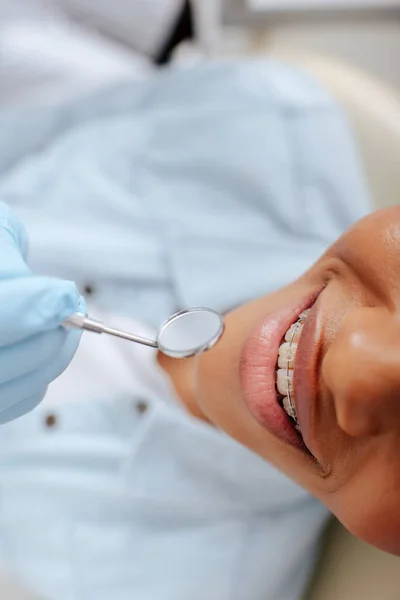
186 333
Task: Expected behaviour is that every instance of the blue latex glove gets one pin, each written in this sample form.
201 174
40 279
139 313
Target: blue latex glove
34 349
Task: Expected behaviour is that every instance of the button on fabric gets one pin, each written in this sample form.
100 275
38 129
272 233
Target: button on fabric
50 421
141 406
88 289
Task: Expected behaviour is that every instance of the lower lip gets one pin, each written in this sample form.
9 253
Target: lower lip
258 371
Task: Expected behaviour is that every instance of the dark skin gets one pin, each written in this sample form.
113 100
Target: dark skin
352 428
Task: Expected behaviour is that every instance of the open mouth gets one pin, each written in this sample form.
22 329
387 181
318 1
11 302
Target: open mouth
285 367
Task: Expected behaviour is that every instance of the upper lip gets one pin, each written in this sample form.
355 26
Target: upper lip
306 370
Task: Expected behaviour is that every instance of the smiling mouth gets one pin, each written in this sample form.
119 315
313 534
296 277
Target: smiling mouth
285 367
266 369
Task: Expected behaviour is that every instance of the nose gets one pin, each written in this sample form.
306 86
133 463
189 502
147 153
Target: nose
361 370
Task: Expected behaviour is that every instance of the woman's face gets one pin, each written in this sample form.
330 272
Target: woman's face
346 379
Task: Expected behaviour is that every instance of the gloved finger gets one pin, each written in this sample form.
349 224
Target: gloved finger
31 305
12 392
22 407
13 245
31 354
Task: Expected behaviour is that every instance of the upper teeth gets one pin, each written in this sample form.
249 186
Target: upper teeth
284 381
286 358
293 333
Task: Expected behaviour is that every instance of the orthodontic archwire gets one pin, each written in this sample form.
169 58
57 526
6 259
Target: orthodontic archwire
289 381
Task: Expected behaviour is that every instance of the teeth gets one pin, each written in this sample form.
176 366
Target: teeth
286 356
290 410
284 381
294 332
304 314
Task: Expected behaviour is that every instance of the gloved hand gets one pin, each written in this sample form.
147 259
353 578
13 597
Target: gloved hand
34 349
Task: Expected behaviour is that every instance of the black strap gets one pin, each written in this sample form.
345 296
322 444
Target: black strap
183 30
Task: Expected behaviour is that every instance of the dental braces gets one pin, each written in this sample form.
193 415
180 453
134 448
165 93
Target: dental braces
289 382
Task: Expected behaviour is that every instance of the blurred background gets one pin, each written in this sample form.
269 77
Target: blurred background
97 41
58 49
